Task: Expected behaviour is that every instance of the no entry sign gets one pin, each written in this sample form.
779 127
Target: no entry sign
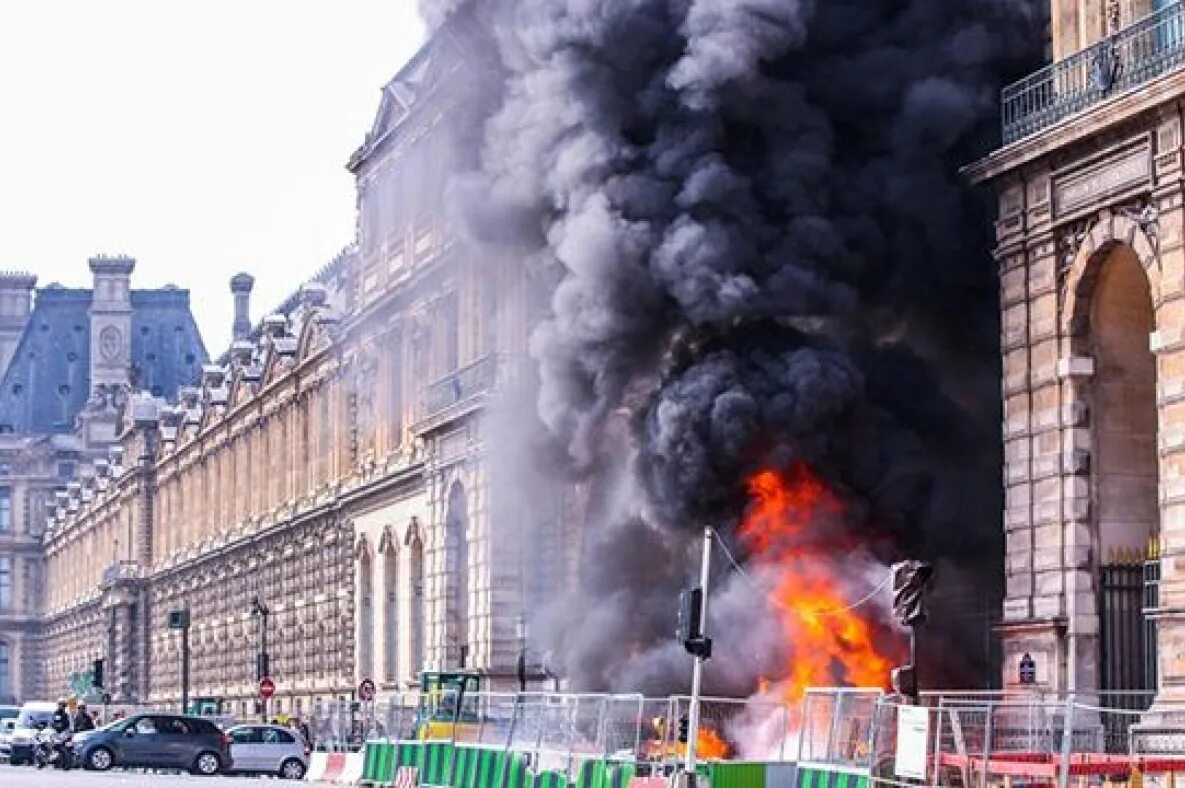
366 690
267 687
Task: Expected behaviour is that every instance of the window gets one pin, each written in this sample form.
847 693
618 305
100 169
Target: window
5 509
145 725
5 582
276 736
245 736
6 692
66 470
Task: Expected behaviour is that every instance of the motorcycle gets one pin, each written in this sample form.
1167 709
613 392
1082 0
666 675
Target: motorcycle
52 748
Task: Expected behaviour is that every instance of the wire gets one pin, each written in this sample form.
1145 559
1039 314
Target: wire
757 588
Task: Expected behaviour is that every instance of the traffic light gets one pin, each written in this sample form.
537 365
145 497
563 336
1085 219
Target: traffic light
691 607
691 624
684 729
97 673
910 579
262 666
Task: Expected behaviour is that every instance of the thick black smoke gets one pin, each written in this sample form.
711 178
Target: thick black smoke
762 242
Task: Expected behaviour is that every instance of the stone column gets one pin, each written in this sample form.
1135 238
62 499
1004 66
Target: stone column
1168 343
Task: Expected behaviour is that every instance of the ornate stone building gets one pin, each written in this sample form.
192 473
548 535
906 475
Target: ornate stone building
339 467
62 353
1093 340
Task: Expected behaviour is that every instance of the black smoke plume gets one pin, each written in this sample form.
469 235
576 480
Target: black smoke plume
763 248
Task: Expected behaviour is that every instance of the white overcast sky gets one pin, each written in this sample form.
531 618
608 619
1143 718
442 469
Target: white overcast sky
202 138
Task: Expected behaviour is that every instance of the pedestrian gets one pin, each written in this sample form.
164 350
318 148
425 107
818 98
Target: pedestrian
83 720
302 728
60 721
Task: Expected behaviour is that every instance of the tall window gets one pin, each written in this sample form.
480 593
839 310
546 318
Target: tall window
5 509
457 578
6 693
5 582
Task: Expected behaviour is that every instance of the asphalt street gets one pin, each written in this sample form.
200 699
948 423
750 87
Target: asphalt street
22 776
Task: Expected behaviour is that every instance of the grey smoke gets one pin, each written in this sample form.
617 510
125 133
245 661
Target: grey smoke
752 213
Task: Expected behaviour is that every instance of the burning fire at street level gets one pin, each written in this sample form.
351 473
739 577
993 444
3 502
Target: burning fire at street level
792 531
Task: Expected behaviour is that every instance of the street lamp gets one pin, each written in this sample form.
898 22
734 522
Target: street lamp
521 630
262 667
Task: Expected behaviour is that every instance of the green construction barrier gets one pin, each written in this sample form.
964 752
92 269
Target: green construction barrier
819 776
731 774
436 763
378 764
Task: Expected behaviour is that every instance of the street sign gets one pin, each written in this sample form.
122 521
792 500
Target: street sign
366 690
267 687
1027 670
913 738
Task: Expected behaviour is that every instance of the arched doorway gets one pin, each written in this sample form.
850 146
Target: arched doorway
456 549
1124 468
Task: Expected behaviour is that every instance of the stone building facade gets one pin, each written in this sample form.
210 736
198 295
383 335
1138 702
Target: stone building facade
62 352
339 466
1093 340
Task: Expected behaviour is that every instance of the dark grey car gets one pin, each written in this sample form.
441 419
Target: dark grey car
158 741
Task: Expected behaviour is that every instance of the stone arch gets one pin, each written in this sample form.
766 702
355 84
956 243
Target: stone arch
1109 232
1109 372
456 559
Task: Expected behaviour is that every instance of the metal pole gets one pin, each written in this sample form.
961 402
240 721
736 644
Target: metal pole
185 668
698 671
264 659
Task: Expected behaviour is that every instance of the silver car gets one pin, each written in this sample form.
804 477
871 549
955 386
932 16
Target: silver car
267 749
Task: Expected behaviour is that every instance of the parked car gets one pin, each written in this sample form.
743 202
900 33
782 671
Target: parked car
159 741
267 749
7 726
32 715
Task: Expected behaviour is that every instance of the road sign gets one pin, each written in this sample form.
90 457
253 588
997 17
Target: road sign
366 690
267 687
913 739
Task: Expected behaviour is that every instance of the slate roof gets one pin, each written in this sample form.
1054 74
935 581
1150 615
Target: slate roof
48 381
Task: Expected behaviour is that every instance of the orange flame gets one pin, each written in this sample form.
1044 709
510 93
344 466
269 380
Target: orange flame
709 745
786 528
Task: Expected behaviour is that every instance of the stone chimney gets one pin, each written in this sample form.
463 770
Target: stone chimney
16 302
240 288
111 320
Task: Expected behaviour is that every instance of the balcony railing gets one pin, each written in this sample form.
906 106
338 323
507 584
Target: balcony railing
466 382
1145 50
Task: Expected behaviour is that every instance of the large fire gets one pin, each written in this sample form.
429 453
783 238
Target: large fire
786 530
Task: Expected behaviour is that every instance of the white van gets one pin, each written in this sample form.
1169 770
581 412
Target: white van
33 715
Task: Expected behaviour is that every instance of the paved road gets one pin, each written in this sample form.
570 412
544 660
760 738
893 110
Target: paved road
29 777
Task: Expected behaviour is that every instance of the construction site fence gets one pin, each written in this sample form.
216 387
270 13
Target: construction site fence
850 737
559 729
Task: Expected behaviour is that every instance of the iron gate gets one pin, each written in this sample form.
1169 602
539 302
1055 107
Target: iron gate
1127 637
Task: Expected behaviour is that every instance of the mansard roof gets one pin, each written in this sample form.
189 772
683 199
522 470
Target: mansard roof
48 381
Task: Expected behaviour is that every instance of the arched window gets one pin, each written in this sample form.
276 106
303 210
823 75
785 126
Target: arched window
456 548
